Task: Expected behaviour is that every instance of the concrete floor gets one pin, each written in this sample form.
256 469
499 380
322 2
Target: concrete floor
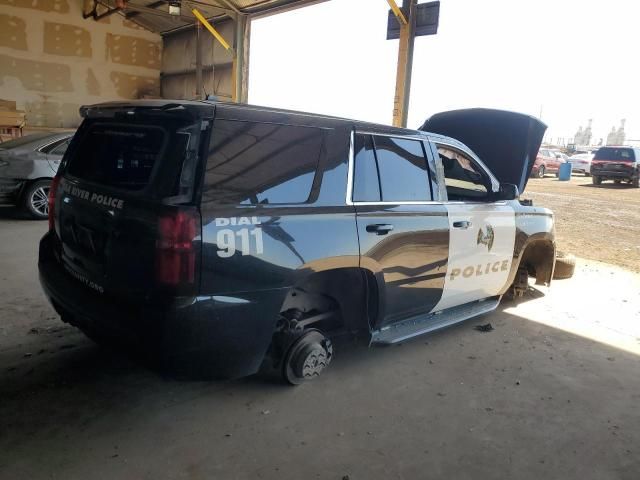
552 392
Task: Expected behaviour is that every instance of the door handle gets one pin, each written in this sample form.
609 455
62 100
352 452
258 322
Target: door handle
464 224
379 228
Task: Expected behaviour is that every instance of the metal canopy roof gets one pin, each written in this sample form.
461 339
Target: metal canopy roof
154 15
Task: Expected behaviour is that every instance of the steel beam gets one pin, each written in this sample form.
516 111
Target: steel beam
199 84
405 64
240 71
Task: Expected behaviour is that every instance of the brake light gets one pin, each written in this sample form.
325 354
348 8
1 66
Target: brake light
52 202
175 250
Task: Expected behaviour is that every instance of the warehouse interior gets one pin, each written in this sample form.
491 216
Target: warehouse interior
56 55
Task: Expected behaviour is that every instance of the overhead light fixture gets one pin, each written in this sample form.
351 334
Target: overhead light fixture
174 7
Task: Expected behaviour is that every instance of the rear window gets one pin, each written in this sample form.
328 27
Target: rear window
35 138
615 154
124 155
254 163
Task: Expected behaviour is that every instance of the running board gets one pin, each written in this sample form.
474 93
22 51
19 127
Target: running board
415 326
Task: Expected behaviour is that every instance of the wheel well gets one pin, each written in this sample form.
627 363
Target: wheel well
539 259
350 293
27 183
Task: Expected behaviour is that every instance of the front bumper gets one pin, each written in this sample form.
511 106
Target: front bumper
203 337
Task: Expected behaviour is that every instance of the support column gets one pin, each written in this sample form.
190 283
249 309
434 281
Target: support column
199 83
405 64
240 69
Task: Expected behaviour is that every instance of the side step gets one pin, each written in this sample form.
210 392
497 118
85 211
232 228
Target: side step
415 326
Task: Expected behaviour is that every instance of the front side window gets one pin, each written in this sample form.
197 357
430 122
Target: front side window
253 163
402 166
464 180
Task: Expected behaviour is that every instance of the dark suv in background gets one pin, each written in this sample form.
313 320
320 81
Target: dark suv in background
620 164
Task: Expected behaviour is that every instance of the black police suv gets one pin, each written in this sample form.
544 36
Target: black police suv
234 237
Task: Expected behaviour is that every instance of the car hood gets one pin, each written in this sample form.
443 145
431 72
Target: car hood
507 142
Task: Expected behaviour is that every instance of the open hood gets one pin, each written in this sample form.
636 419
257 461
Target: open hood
507 142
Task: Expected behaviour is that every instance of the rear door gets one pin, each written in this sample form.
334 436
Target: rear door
482 231
403 233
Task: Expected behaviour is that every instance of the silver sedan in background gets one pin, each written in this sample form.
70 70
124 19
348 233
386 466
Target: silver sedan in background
27 166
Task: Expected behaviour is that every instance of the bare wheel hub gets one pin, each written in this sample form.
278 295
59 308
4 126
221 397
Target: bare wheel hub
307 358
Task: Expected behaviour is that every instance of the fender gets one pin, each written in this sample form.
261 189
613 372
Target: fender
544 238
366 265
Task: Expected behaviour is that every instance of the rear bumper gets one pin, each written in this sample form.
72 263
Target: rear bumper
204 337
10 190
615 174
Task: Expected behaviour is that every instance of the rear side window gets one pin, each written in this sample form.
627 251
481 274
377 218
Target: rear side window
53 146
403 169
615 154
253 163
366 185
119 155
390 169
60 148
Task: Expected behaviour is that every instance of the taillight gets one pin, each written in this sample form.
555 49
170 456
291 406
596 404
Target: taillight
52 202
175 249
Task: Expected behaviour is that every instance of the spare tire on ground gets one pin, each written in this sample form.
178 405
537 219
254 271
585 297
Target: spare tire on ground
565 266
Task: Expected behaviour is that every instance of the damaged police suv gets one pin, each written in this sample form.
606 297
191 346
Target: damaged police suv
233 238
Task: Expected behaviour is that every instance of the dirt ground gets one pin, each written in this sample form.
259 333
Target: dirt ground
552 392
599 222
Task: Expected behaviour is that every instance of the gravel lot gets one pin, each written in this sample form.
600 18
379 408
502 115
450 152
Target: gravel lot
599 222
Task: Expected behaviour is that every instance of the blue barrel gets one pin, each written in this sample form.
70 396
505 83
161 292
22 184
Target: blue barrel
564 175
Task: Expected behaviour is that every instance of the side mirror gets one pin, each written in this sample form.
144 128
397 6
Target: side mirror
508 191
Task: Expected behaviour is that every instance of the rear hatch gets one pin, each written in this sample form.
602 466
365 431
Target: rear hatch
620 160
124 210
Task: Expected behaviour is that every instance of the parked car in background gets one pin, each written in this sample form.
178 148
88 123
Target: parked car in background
27 167
620 164
547 161
581 163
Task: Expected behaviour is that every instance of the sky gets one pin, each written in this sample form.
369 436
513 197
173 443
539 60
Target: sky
567 61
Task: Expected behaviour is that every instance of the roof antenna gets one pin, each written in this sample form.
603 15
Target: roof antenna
204 89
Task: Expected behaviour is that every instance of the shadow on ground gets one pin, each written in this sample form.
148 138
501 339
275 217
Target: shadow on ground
13 213
523 401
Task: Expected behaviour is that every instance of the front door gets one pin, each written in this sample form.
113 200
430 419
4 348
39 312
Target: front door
403 234
482 233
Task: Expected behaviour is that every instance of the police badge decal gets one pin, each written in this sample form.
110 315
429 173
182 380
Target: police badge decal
486 238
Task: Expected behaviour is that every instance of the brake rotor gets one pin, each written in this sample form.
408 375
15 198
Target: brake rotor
307 357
